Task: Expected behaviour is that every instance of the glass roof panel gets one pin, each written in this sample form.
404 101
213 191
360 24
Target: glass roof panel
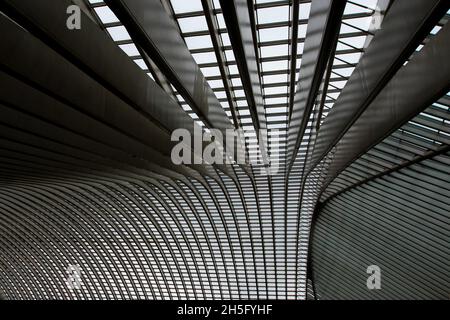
106 15
274 34
192 24
275 14
119 33
198 42
130 49
182 6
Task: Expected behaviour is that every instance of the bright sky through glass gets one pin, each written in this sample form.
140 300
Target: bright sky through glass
273 32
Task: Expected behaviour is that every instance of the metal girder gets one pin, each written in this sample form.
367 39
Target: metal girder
293 56
134 105
47 79
418 84
414 87
157 74
403 28
156 33
269 25
323 26
241 29
208 8
90 49
325 89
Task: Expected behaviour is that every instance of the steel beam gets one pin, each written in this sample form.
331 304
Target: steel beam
213 26
42 83
92 51
239 19
416 86
293 55
157 34
404 27
323 26
147 113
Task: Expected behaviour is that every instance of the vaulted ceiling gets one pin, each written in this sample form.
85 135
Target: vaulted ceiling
354 98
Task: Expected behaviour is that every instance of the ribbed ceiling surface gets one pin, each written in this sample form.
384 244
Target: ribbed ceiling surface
86 177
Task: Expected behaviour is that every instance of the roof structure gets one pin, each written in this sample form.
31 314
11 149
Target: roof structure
352 168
